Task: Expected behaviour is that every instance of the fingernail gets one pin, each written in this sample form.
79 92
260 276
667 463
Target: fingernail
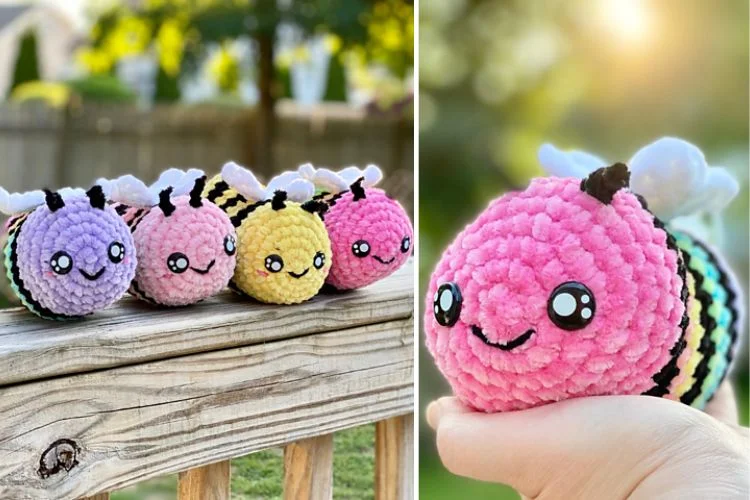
433 414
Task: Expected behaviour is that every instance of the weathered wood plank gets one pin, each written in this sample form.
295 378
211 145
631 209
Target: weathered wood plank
128 424
133 332
394 458
210 482
308 469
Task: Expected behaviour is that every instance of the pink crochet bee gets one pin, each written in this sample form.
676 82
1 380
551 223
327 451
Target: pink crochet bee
371 235
574 288
185 244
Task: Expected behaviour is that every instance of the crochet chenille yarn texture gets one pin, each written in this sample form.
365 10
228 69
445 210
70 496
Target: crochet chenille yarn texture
184 257
71 261
283 251
552 293
371 237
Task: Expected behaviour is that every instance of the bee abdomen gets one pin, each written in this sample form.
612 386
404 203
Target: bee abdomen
718 295
13 272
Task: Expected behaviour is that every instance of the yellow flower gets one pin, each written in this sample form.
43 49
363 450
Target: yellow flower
301 53
333 43
224 69
130 36
284 59
95 61
170 42
54 94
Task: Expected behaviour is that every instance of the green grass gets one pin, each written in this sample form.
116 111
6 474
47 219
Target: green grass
436 483
259 476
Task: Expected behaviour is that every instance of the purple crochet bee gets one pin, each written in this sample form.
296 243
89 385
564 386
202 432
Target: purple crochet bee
68 253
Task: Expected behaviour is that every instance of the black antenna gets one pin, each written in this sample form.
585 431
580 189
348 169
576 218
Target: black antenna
195 194
54 200
603 183
357 190
96 197
165 203
279 197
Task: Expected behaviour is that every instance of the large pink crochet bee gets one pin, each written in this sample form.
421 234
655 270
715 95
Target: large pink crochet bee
573 287
186 245
371 235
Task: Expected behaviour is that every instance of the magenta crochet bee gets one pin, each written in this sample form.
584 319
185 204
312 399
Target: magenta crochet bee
185 244
371 234
68 253
574 287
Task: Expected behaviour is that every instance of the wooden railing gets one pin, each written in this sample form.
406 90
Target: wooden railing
134 392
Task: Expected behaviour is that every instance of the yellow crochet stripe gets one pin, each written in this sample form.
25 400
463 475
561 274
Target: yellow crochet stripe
293 234
695 334
226 199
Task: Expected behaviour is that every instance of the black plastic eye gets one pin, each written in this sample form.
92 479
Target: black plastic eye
116 252
319 260
274 263
447 304
571 306
230 245
178 263
361 248
405 244
61 263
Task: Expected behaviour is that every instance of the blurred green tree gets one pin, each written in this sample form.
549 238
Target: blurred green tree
26 68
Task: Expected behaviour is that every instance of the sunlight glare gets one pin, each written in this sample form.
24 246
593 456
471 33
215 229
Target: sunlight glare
629 20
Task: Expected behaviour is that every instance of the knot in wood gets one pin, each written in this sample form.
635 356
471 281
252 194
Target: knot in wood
61 455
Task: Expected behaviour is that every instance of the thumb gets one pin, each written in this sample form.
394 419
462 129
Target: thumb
597 440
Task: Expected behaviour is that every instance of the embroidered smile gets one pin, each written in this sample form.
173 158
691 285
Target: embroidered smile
206 270
298 276
506 346
386 262
92 277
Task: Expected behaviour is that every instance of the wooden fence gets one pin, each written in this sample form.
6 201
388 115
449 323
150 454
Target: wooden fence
44 147
135 392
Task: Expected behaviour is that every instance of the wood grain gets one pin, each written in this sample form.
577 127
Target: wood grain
100 496
308 469
210 482
133 332
135 422
394 458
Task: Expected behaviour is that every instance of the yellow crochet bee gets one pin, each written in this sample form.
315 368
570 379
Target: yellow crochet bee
283 249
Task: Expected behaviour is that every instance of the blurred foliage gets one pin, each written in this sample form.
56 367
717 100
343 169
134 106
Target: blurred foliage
102 88
27 65
499 77
260 475
178 32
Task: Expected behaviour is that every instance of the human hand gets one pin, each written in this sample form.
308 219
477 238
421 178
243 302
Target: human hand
601 447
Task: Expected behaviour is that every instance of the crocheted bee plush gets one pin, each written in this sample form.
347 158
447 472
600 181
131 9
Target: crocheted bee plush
575 287
68 253
186 245
284 253
371 234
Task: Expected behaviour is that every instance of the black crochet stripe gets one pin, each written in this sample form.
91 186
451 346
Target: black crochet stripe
242 214
707 346
236 289
121 209
217 191
35 306
668 373
233 201
140 214
330 200
136 290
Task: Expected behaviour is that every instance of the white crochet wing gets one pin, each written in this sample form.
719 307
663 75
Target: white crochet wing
243 181
676 180
671 174
341 180
297 188
132 191
17 203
